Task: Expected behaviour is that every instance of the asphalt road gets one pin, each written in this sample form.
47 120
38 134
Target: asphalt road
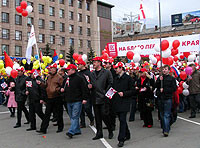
184 134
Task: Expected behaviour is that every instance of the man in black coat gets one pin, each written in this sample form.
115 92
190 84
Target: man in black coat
165 94
103 81
124 86
86 74
20 97
35 101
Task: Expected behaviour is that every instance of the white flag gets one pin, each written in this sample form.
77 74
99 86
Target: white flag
31 42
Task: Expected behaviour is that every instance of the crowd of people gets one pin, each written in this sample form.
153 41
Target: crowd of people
81 91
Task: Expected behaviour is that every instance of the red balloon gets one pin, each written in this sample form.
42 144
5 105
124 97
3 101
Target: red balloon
164 45
175 58
130 55
105 56
182 56
180 90
158 58
176 44
19 9
181 84
79 58
170 61
133 64
75 56
62 62
23 4
103 52
174 52
165 60
186 54
14 73
24 13
183 75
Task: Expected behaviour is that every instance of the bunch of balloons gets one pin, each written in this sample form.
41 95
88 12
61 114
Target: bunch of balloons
24 9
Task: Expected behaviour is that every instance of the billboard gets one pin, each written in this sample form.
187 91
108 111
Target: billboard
185 18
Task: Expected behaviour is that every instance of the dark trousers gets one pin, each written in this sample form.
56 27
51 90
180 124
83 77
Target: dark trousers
86 108
132 110
112 115
51 104
12 110
100 115
148 119
21 107
194 101
123 129
35 108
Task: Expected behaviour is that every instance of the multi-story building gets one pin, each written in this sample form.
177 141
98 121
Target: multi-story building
61 23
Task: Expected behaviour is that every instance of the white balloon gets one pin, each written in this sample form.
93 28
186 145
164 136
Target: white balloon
65 65
29 9
186 92
154 60
16 66
151 56
191 58
136 58
137 50
185 85
8 70
166 53
157 47
57 62
159 64
84 57
179 64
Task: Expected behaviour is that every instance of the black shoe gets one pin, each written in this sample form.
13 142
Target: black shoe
166 134
105 127
120 144
41 132
82 126
58 131
54 120
97 137
30 129
69 135
55 124
92 123
131 120
128 137
77 134
17 125
27 122
192 116
110 135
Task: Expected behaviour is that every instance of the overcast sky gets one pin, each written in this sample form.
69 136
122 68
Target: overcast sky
168 7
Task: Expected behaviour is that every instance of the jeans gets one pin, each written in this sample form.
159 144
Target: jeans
74 111
165 107
181 104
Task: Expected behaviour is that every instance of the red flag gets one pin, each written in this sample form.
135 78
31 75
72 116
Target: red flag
41 55
8 61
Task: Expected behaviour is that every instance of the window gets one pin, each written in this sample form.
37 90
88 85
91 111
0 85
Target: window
18 50
17 2
80 43
80 17
5 33
88 32
30 21
5 3
41 8
52 25
61 13
61 1
71 29
88 19
104 12
18 35
18 19
52 39
71 42
5 17
41 38
71 3
79 4
62 40
4 48
88 6
80 30
88 44
51 11
71 15
62 27
41 24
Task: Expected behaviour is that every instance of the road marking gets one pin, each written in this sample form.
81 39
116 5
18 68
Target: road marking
5 112
105 143
194 122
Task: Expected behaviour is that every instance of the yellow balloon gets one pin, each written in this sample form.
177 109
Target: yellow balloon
43 66
1 65
3 70
49 60
34 67
46 70
61 56
1 61
24 61
32 58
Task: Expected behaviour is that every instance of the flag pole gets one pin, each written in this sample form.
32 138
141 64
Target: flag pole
38 57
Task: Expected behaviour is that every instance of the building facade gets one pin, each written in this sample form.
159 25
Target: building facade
60 23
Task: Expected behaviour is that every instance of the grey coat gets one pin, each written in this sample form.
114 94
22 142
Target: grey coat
102 84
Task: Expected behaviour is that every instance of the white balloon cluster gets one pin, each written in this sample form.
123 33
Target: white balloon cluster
153 59
191 58
185 91
29 9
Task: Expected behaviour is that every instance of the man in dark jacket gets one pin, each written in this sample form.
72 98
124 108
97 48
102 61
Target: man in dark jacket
20 97
103 81
124 86
53 86
34 94
75 93
86 74
194 89
165 94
